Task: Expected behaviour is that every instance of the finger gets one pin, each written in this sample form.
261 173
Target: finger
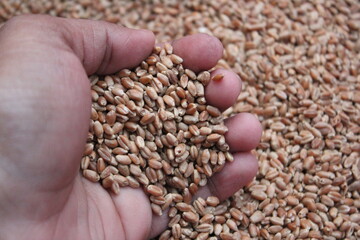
223 184
231 178
244 132
159 224
222 93
202 52
199 51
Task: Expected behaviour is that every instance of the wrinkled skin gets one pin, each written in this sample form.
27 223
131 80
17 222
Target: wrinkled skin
44 116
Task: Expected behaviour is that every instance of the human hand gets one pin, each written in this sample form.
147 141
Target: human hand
44 116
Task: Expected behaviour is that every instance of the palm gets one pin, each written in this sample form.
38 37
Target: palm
70 205
102 215
45 109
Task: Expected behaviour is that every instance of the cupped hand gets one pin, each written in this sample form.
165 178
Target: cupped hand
44 118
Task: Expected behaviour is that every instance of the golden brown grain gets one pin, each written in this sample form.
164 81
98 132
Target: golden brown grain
299 64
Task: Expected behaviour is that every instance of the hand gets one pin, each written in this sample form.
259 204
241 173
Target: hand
44 115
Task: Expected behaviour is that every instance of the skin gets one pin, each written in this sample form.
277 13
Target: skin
44 114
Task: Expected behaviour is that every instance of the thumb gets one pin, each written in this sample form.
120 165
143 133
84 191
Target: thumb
102 47
105 47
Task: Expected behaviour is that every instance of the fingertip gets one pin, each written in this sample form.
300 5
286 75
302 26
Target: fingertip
235 175
200 51
244 132
144 42
232 177
224 92
147 36
130 47
159 224
115 47
251 169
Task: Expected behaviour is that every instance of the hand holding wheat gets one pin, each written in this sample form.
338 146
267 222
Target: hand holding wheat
44 115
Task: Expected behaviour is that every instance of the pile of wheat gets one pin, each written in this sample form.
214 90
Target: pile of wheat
299 61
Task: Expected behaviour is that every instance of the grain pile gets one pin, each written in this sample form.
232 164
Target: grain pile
152 127
299 61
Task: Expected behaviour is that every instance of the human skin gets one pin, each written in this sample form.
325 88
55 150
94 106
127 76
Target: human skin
44 115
